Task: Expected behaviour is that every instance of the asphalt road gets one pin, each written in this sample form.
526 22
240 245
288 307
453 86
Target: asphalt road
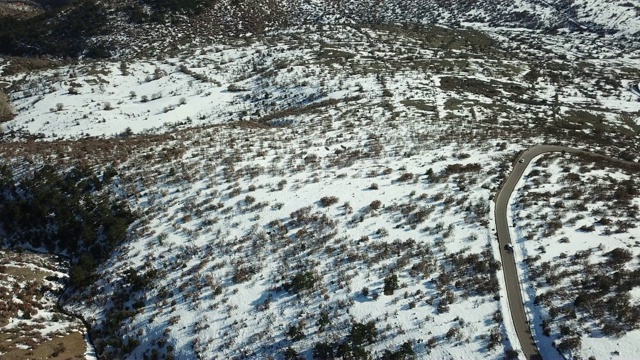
514 293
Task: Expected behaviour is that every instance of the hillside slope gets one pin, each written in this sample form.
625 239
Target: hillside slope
317 191
117 27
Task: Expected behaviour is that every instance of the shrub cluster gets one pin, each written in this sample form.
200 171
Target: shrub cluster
301 281
600 293
353 347
474 273
326 201
64 212
460 168
60 32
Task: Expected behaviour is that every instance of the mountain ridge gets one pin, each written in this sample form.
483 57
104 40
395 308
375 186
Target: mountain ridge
132 24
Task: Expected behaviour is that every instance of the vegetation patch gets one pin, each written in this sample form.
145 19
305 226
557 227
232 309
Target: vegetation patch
60 32
69 213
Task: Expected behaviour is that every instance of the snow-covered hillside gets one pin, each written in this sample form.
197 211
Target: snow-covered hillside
433 72
232 222
575 221
324 189
613 16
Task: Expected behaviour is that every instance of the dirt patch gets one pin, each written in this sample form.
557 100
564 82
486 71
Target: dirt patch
70 346
489 89
30 324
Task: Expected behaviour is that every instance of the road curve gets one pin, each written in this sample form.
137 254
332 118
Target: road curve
514 294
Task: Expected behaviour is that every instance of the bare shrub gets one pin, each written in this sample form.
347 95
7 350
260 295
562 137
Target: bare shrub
405 177
159 74
234 192
619 256
585 228
459 168
570 344
495 337
326 201
242 274
311 158
235 88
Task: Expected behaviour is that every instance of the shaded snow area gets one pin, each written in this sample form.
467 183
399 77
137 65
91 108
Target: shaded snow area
575 222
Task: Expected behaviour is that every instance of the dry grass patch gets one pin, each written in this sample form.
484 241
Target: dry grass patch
70 346
28 295
6 109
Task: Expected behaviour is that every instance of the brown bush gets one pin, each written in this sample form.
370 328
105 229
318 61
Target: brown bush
619 256
328 200
570 344
405 177
18 65
242 274
459 168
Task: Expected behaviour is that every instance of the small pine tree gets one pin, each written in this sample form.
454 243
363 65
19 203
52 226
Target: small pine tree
323 350
363 333
324 320
295 332
391 284
290 354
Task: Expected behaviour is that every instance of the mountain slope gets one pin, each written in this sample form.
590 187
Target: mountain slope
126 25
593 15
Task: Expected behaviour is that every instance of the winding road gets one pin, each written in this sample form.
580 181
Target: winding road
514 293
